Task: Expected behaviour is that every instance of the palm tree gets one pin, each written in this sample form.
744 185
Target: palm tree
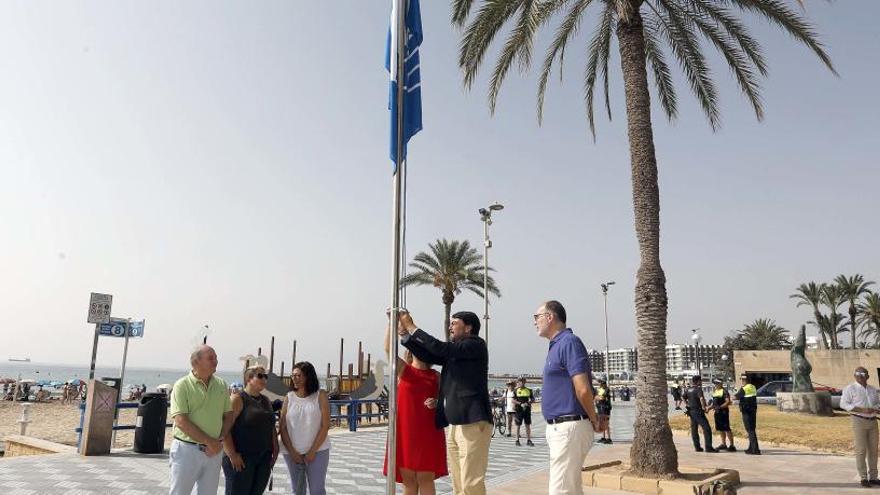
832 297
810 294
641 27
853 288
451 266
869 316
763 334
831 325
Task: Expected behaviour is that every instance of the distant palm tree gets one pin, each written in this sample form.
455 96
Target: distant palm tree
642 29
832 298
833 325
869 317
451 266
762 334
853 288
810 294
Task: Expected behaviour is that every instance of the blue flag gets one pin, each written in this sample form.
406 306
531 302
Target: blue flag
412 99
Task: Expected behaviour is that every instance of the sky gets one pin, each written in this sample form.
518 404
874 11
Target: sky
226 164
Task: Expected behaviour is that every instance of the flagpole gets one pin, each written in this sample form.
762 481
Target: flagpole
400 38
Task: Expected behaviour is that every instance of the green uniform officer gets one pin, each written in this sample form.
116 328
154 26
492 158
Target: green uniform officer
748 405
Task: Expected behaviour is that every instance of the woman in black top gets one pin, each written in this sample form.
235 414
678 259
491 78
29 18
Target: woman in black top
252 445
721 405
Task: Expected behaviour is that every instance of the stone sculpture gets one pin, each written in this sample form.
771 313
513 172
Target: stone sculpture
800 367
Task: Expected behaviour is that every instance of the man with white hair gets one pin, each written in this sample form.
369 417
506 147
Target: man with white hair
202 413
863 403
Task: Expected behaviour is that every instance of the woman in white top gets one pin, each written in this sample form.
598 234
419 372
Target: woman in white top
304 427
510 405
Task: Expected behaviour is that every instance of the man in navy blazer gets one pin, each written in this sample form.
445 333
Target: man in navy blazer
463 402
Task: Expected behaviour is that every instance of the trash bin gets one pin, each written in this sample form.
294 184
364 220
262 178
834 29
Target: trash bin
149 432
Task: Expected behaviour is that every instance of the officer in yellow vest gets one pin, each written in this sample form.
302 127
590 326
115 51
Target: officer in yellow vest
748 405
524 398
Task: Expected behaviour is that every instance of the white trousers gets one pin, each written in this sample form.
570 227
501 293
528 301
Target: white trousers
191 467
569 444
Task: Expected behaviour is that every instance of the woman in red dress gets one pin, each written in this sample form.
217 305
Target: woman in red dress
421 447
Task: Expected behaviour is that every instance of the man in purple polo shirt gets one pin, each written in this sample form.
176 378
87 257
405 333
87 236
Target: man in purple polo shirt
567 400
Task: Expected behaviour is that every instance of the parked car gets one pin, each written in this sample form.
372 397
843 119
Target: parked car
767 393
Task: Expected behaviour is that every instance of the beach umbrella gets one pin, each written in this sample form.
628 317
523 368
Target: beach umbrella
27 381
7 380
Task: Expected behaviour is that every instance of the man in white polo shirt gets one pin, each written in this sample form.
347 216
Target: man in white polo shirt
863 402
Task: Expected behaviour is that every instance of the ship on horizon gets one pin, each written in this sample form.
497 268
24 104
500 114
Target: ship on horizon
20 360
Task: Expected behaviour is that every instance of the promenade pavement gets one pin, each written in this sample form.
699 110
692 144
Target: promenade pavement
356 467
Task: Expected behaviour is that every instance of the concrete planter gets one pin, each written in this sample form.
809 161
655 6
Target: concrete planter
815 403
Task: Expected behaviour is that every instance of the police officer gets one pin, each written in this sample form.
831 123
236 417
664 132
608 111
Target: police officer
696 409
523 408
748 405
720 404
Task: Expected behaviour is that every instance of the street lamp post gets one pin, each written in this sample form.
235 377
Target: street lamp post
697 338
607 354
486 217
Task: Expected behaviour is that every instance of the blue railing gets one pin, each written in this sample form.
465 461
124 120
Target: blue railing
352 415
119 405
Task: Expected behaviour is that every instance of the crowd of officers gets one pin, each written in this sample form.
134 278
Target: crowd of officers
696 408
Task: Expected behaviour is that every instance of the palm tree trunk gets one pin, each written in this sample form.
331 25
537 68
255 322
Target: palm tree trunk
653 452
852 322
817 315
448 298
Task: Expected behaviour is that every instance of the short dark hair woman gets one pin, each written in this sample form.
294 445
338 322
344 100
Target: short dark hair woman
305 422
251 446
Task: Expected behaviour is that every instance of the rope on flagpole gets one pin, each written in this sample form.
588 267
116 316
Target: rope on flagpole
404 177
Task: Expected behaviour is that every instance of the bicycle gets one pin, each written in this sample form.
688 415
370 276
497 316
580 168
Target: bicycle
499 417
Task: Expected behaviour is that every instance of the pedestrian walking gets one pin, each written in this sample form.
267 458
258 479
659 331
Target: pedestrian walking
603 408
676 396
510 405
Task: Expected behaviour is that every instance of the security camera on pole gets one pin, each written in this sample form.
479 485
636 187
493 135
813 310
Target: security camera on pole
486 217
607 363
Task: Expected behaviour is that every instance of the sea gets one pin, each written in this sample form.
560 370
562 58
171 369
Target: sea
151 377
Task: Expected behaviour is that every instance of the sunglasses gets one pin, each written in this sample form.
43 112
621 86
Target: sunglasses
262 376
539 315
861 373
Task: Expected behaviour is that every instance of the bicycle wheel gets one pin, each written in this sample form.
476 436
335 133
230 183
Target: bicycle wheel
502 426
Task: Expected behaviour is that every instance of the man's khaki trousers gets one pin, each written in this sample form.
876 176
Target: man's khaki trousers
865 435
467 450
569 444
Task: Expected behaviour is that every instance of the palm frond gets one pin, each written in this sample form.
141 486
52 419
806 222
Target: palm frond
777 12
737 61
598 62
460 11
736 30
684 44
566 30
478 36
662 73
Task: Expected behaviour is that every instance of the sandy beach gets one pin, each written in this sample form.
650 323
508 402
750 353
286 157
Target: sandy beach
55 422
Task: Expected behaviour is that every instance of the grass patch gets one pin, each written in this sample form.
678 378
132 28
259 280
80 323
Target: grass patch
828 433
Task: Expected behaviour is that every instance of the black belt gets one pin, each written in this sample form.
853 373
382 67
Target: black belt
864 417
563 419
201 446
